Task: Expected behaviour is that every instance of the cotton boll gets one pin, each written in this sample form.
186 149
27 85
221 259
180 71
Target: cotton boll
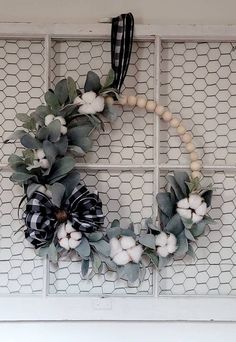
69 228
98 104
115 247
196 218
48 119
171 240
73 243
61 119
162 251
64 243
135 253
89 97
76 235
121 258
40 154
78 101
202 209
61 233
86 109
161 239
127 242
63 130
195 201
184 203
44 163
185 213
171 248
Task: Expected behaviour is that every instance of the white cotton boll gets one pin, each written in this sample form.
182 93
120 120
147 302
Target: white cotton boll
162 251
171 248
40 154
98 104
121 258
78 101
115 247
195 201
64 243
61 119
48 119
202 209
63 130
184 203
127 242
89 97
171 240
196 218
69 228
76 235
185 213
44 163
86 108
73 243
135 253
61 233
161 239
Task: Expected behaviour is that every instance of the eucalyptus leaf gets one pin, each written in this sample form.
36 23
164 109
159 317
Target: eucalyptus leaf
163 261
50 151
175 225
127 232
131 272
61 145
16 135
84 267
150 225
95 236
207 195
51 100
97 263
23 117
182 244
189 235
113 232
21 177
15 161
30 125
68 110
71 86
148 240
102 247
42 133
30 142
76 151
92 82
61 91
165 203
109 79
198 228
54 130
153 257
182 178
178 192
83 249
60 168
109 263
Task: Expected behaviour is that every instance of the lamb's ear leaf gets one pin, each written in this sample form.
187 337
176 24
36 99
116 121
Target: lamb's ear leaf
50 151
97 263
189 235
42 133
84 267
109 79
151 226
54 130
165 203
115 223
31 188
51 100
131 272
191 252
182 244
61 91
109 113
52 253
92 82
30 142
23 117
61 168
15 161
113 232
152 256
163 261
29 157
110 264
127 232
16 135
175 186
83 249
71 181
207 195
61 145
148 240
95 236
102 247
71 86
58 191
182 178
198 228
21 177
175 225
76 151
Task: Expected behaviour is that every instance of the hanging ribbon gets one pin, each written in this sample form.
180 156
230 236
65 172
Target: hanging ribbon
121 46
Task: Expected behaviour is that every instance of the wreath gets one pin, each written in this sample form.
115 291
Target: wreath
61 215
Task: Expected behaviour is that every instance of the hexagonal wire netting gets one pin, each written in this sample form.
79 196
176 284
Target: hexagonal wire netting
197 83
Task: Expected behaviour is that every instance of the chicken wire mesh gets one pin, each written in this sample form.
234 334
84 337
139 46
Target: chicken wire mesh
205 101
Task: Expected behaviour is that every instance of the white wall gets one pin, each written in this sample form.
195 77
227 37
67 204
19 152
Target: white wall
145 11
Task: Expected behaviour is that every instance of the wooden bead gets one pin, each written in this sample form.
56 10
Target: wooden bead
141 102
194 156
132 100
150 106
167 116
196 174
196 165
181 130
186 138
109 100
190 147
174 123
122 100
159 109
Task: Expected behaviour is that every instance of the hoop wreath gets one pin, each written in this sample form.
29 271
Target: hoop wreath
61 215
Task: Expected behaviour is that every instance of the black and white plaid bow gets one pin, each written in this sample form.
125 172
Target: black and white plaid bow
121 46
84 211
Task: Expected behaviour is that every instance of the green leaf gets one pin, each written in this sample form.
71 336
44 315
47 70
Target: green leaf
189 235
30 142
31 188
163 261
16 135
61 91
113 232
102 247
95 236
61 168
84 248
51 100
15 161
50 151
54 130
150 226
52 253
109 113
61 145
92 82
207 195
76 151
23 117
115 223
175 225
178 192
42 133
110 264
148 240
182 244
28 156
68 110
152 256
109 79
84 267
30 125
21 177
198 228
78 136
165 203
182 178
127 232
71 89
70 181
97 263
58 191
191 252
131 272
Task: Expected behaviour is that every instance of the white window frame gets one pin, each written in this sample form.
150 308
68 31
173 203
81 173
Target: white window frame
142 308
